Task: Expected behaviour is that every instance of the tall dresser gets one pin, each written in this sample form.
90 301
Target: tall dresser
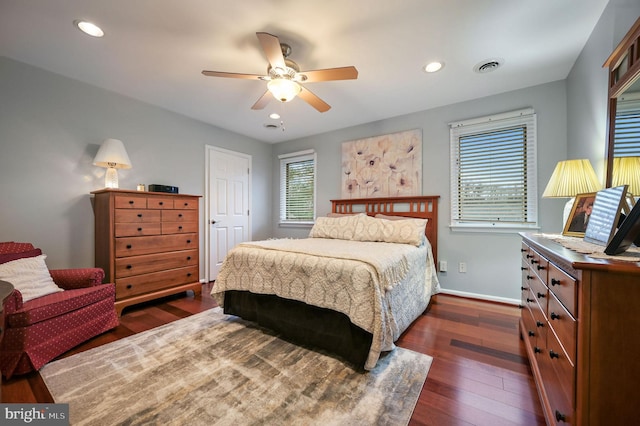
581 327
147 243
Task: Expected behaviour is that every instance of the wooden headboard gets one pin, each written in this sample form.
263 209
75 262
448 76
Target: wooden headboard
422 206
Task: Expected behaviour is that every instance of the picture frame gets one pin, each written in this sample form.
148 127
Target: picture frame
578 220
627 234
605 215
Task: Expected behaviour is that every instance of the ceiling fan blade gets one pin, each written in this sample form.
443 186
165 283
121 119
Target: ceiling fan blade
231 75
313 100
342 73
271 46
263 101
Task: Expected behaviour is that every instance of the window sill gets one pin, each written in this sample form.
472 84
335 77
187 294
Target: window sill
295 224
495 228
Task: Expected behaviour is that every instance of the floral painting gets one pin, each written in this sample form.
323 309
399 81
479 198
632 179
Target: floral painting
383 166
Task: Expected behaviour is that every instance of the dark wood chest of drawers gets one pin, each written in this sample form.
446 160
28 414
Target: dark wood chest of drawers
147 243
581 327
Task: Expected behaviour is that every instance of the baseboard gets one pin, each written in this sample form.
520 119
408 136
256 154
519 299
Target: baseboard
468 295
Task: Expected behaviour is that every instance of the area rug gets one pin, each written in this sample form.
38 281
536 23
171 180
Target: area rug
212 368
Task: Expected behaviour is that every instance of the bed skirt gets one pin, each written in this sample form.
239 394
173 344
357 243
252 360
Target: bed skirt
303 324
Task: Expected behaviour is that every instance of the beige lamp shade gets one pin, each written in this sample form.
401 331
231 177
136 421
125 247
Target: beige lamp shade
112 154
626 171
283 89
572 177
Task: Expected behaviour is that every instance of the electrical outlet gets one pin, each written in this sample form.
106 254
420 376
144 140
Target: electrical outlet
462 267
443 266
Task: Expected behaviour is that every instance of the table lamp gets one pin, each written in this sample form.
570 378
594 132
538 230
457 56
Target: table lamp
112 155
570 178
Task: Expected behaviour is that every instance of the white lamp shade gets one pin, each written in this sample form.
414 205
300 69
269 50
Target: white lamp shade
112 154
626 171
570 178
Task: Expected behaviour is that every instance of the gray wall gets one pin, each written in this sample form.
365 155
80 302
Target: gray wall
51 128
492 259
587 84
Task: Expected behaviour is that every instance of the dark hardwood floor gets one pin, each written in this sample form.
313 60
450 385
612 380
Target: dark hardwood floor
480 374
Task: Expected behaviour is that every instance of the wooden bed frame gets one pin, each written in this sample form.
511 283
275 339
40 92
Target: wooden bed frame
421 206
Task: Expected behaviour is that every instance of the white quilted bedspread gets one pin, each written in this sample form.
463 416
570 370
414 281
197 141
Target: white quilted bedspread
381 287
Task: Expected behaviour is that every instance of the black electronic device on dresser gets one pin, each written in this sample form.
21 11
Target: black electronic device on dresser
163 188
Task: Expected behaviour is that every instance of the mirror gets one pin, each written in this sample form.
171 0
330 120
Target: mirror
624 92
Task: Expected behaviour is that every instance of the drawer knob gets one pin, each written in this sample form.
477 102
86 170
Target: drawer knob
180 228
539 324
533 261
129 266
188 257
188 241
560 417
186 204
128 246
531 333
523 250
139 229
555 316
131 202
529 277
139 214
522 268
161 203
180 215
540 295
540 268
555 282
129 286
553 354
537 350
188 274
524 288
529 256
530 300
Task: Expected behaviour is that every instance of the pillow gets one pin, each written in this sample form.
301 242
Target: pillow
403 231
341 227
389 217
30 276
341 214
8 257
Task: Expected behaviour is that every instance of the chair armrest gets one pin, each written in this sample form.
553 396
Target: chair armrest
69 279
13 303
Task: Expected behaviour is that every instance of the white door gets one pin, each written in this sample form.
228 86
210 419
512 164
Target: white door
227 204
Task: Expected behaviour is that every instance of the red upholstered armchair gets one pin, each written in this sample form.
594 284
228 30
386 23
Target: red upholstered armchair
40 329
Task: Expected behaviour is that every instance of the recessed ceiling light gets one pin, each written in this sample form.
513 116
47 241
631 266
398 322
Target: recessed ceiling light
433 66
274 115
89 28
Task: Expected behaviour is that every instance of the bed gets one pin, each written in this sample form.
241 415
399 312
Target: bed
365 273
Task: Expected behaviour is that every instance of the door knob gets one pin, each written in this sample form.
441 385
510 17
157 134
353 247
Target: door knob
213 222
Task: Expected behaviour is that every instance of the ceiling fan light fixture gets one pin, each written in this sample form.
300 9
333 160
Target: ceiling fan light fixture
283 89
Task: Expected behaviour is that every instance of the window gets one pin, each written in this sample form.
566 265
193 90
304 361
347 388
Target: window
298 188
626 141
493 172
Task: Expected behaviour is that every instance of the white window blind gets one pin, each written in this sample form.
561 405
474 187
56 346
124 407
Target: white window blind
493 171
627 127
297 187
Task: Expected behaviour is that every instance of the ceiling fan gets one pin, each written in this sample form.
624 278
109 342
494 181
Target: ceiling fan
284 75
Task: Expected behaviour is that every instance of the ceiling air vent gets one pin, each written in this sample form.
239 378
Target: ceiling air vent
488 65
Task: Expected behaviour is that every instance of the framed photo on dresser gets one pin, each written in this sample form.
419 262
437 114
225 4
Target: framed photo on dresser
580 214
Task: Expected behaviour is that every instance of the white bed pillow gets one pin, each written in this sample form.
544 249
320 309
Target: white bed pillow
30 276
403 231
341 227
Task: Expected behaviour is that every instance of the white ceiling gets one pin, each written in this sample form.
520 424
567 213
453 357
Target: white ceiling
155 50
